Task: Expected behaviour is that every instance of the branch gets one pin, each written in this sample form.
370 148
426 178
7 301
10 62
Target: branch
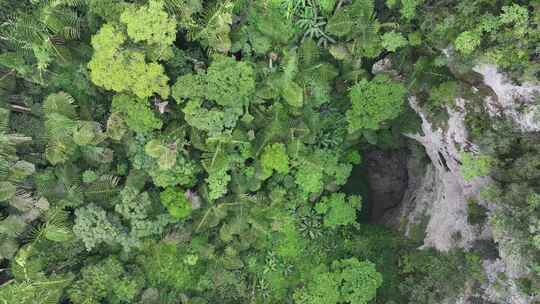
20 109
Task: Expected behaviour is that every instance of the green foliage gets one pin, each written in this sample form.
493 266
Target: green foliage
393 41
132 222
150 23
93 226
359 280
476 213
229 83
430 276
374 102
444 94
293 94
274 157
214 29
217 181
504 33
110 192
124 71
166 266
474 165
358 26
408 8
321 167
55 228
36 36
136 113
349 281
467 42
106 280
176 202
323 289
44 290
337 210
60 123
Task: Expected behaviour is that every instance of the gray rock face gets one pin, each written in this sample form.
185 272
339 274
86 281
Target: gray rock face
513 101
441 193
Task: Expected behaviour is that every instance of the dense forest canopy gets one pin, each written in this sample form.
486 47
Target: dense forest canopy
195 151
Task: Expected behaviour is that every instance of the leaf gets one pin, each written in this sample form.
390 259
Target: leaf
341 24
327 6
293 94
339 51
154 148
20 170
60 103
167 160
58 233
393 41
7 190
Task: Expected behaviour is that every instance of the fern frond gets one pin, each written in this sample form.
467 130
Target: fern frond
254 198
69 176
73 197
104 189
4 167
56 227
40 290
25 30
181 8
61 21
23 200
36 234
309 53
69 3
57 217
60 103
4 120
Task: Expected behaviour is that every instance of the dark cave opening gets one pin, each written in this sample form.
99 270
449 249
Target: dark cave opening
381 180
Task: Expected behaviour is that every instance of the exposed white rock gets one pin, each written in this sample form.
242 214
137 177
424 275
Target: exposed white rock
381 66
443 192
513 101
497 289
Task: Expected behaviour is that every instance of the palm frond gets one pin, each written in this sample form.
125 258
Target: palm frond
70 176
4 120
309 53
4 167
103 189
61 103
25 31
69 3
23 200
61 21
56 227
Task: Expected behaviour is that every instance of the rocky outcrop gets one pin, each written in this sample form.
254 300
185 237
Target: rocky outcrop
515 102
437 197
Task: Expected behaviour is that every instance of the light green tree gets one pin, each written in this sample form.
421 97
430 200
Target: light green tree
274 157
120 65
374 102
348 281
